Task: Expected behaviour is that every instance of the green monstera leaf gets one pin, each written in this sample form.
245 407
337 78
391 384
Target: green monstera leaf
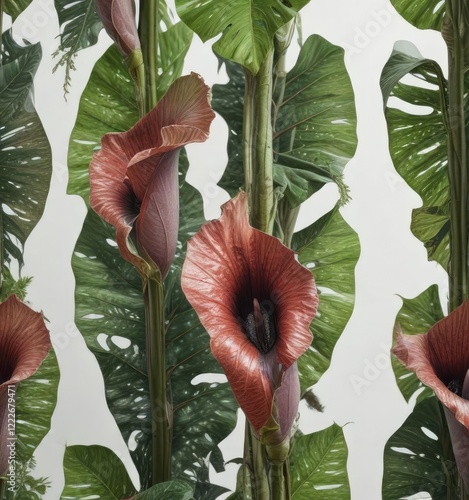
319 466
314 125
418 145
247 26
25 156
418 457
330 248
426 14
416 316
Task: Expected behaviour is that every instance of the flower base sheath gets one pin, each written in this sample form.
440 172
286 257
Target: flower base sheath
256 302
440 359
134 177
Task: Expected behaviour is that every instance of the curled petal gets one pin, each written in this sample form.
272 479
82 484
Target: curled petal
118 18
229 267
440 357
24 343
134 175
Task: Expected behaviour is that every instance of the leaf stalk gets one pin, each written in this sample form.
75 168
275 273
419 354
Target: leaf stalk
161 411
457 164
148 32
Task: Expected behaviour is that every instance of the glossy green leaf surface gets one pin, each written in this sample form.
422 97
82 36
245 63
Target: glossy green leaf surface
330 248
247 26
25 156
424 14
15 7
95 472
418 145
314 125
419 457
318 466
416 316
170 490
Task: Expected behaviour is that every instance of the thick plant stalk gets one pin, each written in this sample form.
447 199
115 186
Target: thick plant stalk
148 31
457 163
256 485
161 412
258 145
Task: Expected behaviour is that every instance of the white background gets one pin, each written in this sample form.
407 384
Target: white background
359 389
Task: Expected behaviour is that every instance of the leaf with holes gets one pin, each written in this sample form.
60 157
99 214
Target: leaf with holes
418 457
319 466
25 156
416 316
247 28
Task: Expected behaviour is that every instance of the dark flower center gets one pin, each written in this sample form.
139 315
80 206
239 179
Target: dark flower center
455 386
260 326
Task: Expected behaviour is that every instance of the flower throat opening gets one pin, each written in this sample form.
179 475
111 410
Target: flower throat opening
260 326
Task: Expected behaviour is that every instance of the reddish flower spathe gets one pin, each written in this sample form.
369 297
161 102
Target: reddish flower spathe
440 359
118 18
256 302
24 343
134 177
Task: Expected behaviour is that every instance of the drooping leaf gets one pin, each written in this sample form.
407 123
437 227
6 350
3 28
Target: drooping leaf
95 472
419 457
319 466
247 26
25 155
418 145
330 248
416 316
399 65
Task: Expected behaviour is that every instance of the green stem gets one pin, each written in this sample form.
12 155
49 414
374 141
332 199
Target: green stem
256 485
161 412
258 145
277 481
3 484
148 32
457 165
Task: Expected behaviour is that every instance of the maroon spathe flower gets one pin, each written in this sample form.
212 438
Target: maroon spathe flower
134 177
24 343
118 18
440 359
256 302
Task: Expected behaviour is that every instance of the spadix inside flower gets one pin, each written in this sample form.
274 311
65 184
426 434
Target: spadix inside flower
24 343
134 177
256 302
440 359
